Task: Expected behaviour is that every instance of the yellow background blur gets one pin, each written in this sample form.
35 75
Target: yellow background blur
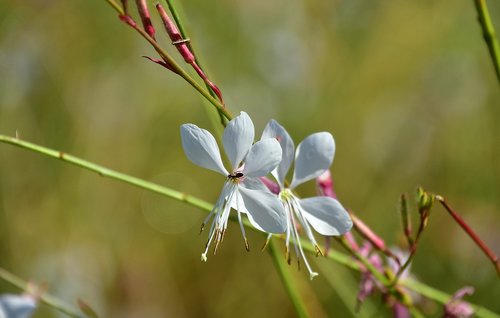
407 89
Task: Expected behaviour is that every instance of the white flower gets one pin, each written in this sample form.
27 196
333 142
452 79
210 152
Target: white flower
248 162
17 306
313 156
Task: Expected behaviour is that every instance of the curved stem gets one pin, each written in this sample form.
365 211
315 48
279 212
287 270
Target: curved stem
489 34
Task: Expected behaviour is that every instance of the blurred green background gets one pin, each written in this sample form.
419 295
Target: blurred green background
407 89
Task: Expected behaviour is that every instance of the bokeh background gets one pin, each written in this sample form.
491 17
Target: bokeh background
407 89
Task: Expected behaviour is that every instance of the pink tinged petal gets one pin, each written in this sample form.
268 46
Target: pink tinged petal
314 155
238 138
326 215
201 148
255 184
264 210
456 307
262 158
276 131
18 306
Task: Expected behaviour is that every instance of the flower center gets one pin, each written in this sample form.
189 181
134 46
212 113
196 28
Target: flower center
235 176
286 195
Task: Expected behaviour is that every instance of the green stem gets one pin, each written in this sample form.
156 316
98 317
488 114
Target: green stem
286 278
489 34
182 30
116 6
105 172
45 298
343 259
177 69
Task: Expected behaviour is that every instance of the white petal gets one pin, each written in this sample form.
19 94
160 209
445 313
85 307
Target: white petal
264 210
237 200
314 155
17 306
238 138
326 215
254 184
275 130
201 148
262 158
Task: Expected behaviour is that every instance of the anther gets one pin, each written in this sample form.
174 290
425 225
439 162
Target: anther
247 247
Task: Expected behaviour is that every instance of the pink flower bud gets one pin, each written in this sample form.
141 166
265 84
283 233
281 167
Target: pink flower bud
325 185
142 7
175 36
128 20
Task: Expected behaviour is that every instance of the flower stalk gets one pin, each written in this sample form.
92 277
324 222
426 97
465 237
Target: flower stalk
479 242
489 35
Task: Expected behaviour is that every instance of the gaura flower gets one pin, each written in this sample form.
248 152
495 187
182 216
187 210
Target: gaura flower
313 156
248 162
17 306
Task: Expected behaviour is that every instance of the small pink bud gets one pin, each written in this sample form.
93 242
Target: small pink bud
325 185
272 186
175 35
142 7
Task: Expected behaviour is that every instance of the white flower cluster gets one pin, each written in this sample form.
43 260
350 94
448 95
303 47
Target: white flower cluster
243 191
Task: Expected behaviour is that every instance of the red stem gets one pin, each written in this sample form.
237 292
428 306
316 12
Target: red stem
489 253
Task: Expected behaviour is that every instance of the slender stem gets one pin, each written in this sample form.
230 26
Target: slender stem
284 272
405 219
115 6
105 172
489 34
47 299
343 259
182 72
182 30
489 253
171 62
413 248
